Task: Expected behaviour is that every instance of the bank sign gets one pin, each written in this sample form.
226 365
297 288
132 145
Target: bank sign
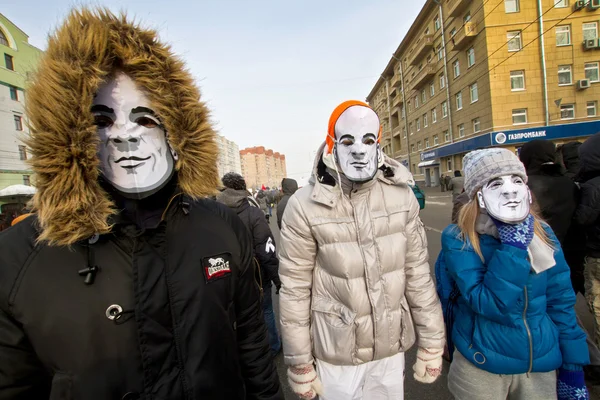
546 132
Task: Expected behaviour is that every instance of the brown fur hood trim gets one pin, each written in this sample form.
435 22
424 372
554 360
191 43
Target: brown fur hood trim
84 52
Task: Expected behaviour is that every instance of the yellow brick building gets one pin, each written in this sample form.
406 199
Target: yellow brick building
475 74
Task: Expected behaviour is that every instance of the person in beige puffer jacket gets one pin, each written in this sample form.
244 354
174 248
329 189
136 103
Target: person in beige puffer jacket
356 284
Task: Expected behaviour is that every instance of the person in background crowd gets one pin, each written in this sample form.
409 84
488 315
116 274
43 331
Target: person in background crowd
261 199
288 188
354 269
270 197
569 153
447 180
235 196
588 216
126 283
514 319
443 182
553 192
457 185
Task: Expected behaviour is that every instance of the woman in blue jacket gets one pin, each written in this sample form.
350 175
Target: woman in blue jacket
514 320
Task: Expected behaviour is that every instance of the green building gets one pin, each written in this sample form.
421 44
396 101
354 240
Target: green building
18 59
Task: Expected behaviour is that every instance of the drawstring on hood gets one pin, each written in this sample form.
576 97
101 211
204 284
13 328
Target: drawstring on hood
85 52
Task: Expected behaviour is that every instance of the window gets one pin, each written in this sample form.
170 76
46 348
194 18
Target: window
404 131
519 116
427 31
8 61
419 147
18 123
449 164
514 40
591 108
461 130
427 143
517 80
402 112
434 116
561 4
470 57
416 102
425 121
418 124
444 109
446 136
423 96
412 150
474 93
591 72
436 23
431 89
435 140
440 52
567 111
590 30
453 32
3 39
511 6
456 66
442 81
410 128
22 153
476 125
564 75
467 17
26 180
14 94
459 101
563 35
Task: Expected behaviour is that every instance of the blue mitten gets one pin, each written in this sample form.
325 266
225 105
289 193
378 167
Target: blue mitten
518 235
570 385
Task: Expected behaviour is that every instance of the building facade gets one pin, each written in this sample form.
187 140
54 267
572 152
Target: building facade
229 156
475 74
17 60
262 167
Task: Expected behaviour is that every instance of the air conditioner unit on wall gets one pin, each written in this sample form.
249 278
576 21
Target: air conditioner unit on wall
583 84
590 44
578 5
593 5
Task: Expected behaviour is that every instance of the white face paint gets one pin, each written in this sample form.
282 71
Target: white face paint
357 151
506 198
135 156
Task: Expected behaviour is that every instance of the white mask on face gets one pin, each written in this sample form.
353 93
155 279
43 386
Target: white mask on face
506 198
356 149
134 154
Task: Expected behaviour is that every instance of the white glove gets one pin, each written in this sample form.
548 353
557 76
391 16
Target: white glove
304 381
429 365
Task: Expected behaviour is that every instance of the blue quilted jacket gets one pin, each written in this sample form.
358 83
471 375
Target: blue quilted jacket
508 319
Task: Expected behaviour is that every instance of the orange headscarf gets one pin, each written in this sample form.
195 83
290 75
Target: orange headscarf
339 110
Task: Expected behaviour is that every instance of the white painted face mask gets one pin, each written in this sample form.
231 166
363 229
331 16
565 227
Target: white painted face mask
506 199
135 156
356 149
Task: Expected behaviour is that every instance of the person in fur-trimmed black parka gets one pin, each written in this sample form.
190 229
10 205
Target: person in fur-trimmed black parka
127 282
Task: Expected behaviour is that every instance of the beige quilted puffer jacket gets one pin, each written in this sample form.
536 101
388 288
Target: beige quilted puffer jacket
355 276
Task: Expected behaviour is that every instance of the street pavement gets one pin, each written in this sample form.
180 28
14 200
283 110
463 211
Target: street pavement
436 217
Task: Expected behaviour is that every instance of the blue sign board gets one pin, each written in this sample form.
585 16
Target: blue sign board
546 132
464 146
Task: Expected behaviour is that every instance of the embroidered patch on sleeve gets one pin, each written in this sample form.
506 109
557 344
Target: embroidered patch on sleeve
216 267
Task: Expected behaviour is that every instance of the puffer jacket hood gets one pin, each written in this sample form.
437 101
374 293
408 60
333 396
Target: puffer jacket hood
83 53
539 157
233 198
570 156
289 186
589 158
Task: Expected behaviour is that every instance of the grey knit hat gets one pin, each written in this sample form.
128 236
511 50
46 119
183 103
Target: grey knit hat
481 166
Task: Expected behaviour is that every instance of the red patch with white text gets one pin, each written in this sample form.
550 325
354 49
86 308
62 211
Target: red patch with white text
216 267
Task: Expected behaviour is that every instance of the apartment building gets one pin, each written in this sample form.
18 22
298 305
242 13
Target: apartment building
262 167
17 59
229 156
475 74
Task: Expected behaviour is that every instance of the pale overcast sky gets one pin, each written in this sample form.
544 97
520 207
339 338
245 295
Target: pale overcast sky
271 71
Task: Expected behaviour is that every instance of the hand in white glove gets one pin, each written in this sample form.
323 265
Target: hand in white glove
304 381
429 365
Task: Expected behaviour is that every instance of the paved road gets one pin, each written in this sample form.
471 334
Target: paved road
436 217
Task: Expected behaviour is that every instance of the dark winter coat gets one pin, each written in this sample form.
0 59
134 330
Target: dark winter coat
554 192
289 187
261 199
570 157
161 304
588 212
263 241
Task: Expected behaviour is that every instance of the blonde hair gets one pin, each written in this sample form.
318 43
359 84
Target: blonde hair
467 219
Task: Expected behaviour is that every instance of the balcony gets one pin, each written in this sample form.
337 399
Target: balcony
424 45
396 81
423 76
397 101
456 7
396 131
464 36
